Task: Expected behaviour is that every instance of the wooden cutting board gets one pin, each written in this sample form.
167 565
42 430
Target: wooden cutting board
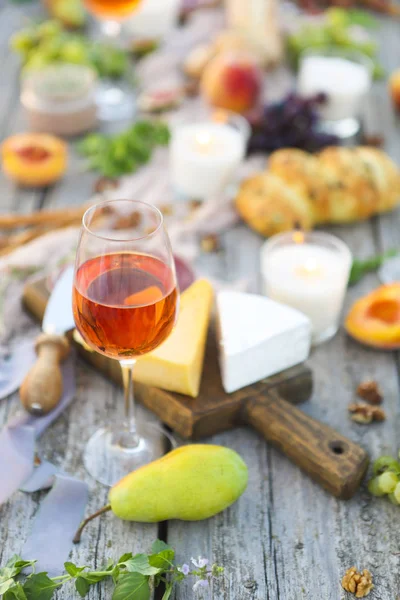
268 406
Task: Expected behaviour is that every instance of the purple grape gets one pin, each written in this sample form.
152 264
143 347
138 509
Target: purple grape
291 123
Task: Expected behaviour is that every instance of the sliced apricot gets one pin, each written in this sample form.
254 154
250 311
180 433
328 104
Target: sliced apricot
34 159
374 320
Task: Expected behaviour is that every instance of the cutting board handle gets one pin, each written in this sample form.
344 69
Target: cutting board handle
333 461
42 388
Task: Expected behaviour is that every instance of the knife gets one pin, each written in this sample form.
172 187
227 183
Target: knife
42 388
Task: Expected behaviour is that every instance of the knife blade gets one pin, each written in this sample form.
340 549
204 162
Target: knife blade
42 388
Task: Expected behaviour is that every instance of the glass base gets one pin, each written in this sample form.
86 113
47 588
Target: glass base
115 101
343 128
107 461
324 336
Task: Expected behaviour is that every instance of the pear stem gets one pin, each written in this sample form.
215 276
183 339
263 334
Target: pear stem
78 534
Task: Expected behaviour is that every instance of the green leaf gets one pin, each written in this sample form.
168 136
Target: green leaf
361 267
140 564
125 557
15 593
159 546
162 560
82 586
132 586
93 576
40 587
14 566
72 569
6 585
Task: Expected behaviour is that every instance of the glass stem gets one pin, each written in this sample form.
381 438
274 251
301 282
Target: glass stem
130 438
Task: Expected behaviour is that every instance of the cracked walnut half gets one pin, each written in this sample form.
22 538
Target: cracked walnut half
359 584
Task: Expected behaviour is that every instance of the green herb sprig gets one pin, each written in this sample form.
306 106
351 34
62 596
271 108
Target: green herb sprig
133 576
125 152
360 268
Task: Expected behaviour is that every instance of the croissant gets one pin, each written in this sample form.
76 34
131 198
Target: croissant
338 185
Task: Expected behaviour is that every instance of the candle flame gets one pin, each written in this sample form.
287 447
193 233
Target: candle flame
203 139
298 237
310 269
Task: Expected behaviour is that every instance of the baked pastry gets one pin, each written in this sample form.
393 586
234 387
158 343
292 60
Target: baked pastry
338 185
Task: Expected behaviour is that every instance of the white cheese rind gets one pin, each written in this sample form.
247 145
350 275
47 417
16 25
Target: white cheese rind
257 338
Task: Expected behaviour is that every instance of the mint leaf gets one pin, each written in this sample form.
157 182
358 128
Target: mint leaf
6 585
82 586
40 587
132 586
72 569
125 557
15 593
159 546
162 560
140 564
13 567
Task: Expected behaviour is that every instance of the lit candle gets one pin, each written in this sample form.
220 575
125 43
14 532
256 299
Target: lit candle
205 156
310 272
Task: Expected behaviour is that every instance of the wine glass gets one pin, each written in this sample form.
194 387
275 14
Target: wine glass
115 102
125 303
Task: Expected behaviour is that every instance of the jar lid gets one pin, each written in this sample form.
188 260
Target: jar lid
61 82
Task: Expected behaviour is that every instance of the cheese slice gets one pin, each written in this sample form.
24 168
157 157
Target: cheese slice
177 364
258 337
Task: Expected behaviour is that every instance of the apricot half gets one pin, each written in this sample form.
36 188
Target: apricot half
34 159
374 320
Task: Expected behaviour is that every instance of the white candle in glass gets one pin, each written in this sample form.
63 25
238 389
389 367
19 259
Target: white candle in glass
204 157
310 272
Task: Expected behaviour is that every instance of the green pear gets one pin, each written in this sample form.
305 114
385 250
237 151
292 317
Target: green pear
190 483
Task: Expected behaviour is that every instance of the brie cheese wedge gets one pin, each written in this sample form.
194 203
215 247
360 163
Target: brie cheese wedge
258 337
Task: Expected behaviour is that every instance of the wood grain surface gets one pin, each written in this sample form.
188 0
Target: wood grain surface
286 539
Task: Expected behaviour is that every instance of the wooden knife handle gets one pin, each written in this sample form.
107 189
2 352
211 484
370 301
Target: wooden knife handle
42 388
333 461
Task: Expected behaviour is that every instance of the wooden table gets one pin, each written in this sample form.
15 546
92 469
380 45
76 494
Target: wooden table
286 538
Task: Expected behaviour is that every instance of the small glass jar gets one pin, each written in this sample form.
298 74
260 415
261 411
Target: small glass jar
205 153
308 271
345 78
60 99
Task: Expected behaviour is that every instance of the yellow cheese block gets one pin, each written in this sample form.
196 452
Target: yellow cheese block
177 364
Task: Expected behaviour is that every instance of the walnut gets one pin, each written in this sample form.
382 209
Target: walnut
194 205
369 391
127 221
167 210
365 414
359 584
210 243
105 183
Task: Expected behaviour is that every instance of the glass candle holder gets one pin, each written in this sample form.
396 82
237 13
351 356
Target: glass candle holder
205 154
345 77
308 271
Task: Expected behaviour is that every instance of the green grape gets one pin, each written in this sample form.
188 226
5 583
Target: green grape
387 482
37 60
49 29
373 487
386 463
337 17
23 41
396 493
393 499
74 51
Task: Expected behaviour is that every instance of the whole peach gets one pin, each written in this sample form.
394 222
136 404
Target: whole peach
232 81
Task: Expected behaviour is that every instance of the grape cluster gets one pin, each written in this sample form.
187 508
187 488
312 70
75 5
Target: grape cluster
47 43
292 123
386 480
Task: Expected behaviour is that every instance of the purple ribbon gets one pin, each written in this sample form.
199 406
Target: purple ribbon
62 510
58 518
